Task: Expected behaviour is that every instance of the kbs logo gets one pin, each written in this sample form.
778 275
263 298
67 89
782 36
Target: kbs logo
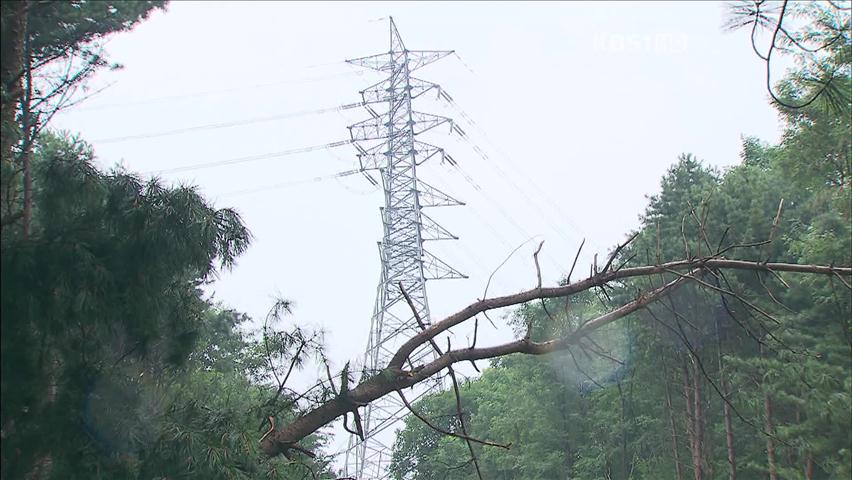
660 43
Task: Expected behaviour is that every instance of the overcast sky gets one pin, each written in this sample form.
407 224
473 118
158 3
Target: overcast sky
574 112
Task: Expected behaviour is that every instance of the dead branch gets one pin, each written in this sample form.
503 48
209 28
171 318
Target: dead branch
452 373
580 249
461 417
733 294
438 429
596 280
537 267
618 250
845 283
394 378
490 277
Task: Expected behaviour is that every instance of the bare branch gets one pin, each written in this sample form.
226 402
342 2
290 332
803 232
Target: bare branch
452 373
461 417
845 283
735 295
581 370
683 237
575 260
598 350
537 267
394 378
770 294
271 428
417 318
775 223
618 250
725 250
488 283
330 380
596 280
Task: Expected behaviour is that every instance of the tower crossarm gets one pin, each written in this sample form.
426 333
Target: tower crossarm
377 128
386 62
385 90
431 230
432 197
436 269
374 158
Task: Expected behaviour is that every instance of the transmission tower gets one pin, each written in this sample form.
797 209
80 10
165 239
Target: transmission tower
387 142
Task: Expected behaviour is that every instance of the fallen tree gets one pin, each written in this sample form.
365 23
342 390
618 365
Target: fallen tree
395 377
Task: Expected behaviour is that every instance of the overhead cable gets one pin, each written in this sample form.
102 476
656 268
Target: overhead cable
251 158
291 183
204 93
213 126
547 201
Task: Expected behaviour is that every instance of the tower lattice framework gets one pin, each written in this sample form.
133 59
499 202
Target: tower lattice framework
387 142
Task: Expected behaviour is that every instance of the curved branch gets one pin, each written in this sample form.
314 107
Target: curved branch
596 280
394 378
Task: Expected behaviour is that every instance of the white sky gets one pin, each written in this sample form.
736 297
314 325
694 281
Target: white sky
579 107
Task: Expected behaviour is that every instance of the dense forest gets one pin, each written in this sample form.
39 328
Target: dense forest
116 364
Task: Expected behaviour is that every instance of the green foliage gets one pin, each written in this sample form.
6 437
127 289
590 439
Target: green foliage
50 50
59 27
110 274
205 425
816 35
539 406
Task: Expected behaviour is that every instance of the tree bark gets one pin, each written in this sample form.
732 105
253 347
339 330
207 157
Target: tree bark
11 89
675 450
690 421
729 438
28 126
698 413
696 418
11 69
770 430
726 409
770 441
809 467
624 473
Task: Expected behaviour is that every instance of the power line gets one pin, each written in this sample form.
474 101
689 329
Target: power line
508 179
290 183
251 158
547 201
213 126
204 93
504 212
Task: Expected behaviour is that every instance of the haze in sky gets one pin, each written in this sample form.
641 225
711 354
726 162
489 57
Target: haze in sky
573 111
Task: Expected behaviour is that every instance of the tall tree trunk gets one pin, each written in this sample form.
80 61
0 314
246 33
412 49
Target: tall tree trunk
675 453
729 438
624 473
770 431
809 467
11 67
566 420
28 124
770 440
726 409
698 415
692 431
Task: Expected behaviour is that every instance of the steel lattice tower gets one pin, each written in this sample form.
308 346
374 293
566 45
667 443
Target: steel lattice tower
387 142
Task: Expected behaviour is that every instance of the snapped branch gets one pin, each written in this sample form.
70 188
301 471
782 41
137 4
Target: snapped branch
394 378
